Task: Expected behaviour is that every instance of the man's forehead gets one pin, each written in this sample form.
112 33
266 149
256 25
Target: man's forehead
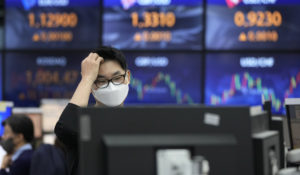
110 68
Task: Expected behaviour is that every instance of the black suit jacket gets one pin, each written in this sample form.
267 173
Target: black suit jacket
48 160
21 166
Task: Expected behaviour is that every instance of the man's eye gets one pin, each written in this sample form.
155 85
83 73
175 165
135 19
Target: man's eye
101 81
117 78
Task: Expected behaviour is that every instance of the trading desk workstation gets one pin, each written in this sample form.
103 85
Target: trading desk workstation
179 140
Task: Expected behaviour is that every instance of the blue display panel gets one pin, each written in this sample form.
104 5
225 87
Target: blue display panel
31 77
164 78
252 24
52 24
1 78
5 111
152 24
242 79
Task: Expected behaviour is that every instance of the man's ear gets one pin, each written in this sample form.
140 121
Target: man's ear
128 74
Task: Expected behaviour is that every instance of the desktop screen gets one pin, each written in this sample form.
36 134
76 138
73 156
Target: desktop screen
293 118
126 140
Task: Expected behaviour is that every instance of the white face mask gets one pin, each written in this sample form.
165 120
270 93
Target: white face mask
113 95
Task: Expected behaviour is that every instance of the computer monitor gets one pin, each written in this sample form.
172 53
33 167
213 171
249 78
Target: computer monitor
131 140
276 123
293 117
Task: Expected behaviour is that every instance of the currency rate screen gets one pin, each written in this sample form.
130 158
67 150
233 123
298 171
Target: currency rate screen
246 79
164 78
30 77
252 24
59 24
152 24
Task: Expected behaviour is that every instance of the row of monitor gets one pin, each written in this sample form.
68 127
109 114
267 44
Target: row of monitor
161 78
208 135
152 24
187 140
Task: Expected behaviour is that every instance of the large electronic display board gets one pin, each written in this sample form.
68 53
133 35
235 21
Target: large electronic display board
246 79
164 78
156 78
252 24
52 24
153 24
30 77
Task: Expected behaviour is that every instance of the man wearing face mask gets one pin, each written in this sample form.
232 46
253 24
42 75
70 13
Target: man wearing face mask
18 133
105 75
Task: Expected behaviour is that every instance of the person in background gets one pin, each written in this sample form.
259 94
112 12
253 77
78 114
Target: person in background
18 134
50 158
105 75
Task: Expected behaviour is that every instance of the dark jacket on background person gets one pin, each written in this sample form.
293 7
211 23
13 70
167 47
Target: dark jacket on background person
66 131
48 160
21 166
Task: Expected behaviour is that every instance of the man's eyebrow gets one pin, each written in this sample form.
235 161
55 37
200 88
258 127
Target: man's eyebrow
100 76
114 74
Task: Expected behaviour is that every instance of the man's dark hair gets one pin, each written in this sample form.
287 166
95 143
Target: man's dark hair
20 124
110 53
